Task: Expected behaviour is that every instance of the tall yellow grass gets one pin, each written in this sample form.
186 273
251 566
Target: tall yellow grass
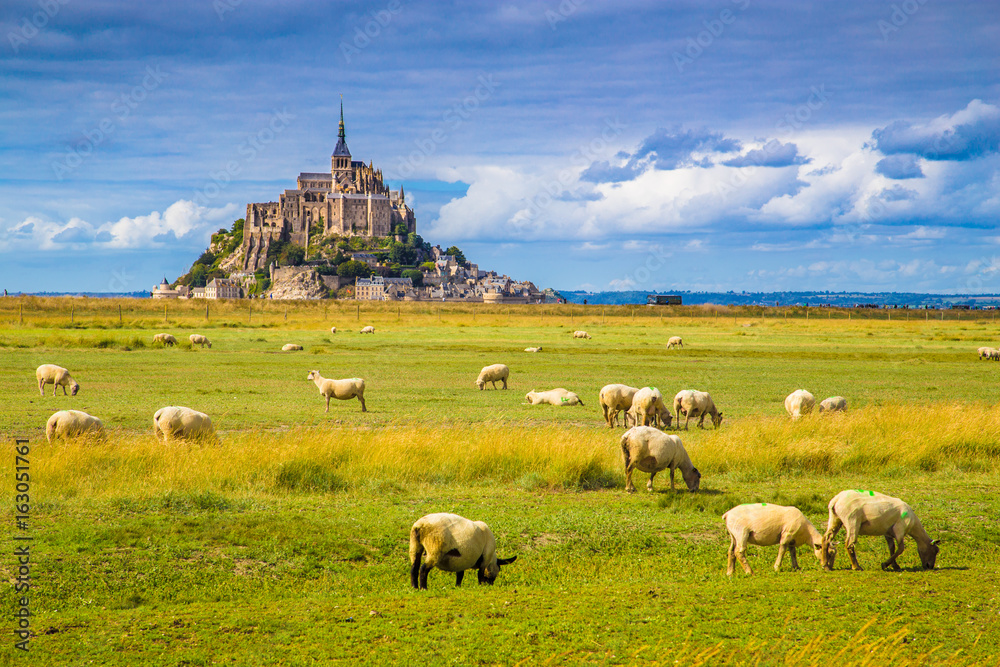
870 440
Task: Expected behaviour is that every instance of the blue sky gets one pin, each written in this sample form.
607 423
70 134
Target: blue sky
580 144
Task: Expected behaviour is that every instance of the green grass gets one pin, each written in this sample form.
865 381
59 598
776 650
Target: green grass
287 542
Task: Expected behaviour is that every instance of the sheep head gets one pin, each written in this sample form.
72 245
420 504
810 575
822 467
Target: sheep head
692 479
75 387
717 419
826 553
928 555
488 574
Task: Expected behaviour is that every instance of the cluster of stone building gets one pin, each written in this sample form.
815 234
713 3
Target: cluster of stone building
449 281
218 288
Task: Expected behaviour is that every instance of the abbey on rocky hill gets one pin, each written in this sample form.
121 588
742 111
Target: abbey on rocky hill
351 200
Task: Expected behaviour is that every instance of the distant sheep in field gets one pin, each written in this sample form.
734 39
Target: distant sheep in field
648 449
57 376
165 339
343 390
984 353
179 423
871 513
798 403
615 398
648 409
674 341
833 404
454 544
581 334
368 329
291 347
691 404
67 424
333 329
994 354
492 374
198 339
557 396
532 349
765 525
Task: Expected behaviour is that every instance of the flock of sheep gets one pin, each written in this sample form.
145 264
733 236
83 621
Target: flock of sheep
456 544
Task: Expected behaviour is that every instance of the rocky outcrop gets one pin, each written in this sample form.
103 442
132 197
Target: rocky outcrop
304 284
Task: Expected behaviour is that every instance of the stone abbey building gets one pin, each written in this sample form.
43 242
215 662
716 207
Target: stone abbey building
351 200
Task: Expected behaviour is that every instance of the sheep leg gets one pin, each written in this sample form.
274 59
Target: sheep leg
649 484
41 384
781 555
795 561
629 487
687 418
741 555
362 399
424 569
415 572
504 380
849 542
458 577
671 478
893 553
327 403
731 562
701 422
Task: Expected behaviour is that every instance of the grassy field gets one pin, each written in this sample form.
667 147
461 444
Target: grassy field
286 542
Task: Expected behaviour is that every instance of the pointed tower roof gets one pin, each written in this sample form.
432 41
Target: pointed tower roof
341 150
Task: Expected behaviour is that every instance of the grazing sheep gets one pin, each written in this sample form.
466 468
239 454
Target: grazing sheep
799 402
614 398
369 329
674 341
333 329
833 404
68 424
165 339
765 525
581 334
557 396
454 544
343 390
198 339
691 404
179 423
291 347
650 450
492 374
871 513
994 354
532 349
57 376
648 408
984 353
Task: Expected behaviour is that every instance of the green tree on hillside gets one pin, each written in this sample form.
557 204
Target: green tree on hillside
457 254
352 268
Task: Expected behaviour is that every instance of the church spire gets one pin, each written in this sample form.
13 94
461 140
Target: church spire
341 150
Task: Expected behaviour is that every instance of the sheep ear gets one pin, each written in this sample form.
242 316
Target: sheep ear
934 543
506 561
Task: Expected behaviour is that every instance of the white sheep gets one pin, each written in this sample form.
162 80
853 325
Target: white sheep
557 396
799 402
648 449
333 330
493 373
581 334
765 525
994 354
198 339
291 347
833 404
675 341
614 398
179 423
165 339
454 544
68 424
984 353
343 390
871 513
692 403
368 329
532 349
648 409
57 376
